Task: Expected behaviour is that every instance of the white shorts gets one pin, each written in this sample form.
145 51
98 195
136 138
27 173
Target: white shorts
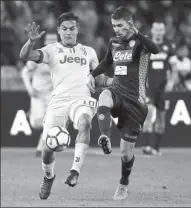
69 112
38 107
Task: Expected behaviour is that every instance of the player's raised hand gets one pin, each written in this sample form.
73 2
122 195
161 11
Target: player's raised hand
133 29
91 84
33 32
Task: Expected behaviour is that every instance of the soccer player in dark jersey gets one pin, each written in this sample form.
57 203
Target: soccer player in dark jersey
159 70
129 53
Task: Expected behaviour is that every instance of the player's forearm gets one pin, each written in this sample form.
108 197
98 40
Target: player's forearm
27 52
100 69
150 45
26 49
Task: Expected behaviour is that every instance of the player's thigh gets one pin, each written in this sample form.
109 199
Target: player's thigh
82 112
52 118
37 112
132 120
106 98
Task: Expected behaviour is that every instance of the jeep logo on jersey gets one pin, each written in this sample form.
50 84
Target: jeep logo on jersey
123 56
81 61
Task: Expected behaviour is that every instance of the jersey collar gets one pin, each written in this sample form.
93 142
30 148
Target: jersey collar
69 46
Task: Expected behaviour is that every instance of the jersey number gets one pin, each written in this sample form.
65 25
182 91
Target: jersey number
90 103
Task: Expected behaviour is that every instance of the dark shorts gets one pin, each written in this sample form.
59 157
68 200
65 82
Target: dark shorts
131 115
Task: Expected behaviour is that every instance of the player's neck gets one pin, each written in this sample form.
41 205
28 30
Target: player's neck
68 45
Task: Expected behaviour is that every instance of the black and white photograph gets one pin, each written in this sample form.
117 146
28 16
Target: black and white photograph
96 103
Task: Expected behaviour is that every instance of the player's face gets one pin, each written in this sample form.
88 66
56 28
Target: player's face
121 28
68 32
158 31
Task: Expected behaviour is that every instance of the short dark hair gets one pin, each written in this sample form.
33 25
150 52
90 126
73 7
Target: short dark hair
122 13
67 16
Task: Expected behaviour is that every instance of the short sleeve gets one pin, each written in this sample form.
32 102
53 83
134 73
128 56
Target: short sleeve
45 54
31 65
93 59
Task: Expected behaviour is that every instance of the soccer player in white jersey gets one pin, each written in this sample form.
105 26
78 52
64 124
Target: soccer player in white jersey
37 80
70 63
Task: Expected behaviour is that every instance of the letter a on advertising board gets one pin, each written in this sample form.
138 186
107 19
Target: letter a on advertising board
20 124
180 114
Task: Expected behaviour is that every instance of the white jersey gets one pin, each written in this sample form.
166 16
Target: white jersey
69 70
41 79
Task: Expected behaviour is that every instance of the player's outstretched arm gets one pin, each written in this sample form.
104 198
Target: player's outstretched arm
27 52
100 69
149 44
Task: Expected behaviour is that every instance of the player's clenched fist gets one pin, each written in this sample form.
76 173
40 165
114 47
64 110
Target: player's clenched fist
33 32
91 83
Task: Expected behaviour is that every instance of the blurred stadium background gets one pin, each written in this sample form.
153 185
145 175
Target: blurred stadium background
95 31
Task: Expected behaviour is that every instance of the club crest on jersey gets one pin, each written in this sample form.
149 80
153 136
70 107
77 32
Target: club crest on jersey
122 56
66 59
84 51
131 43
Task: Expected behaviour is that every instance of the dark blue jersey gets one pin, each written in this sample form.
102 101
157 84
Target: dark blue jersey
159 64
130 59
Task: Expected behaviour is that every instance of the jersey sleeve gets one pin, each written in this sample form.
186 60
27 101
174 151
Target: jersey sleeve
31 66
45 54
93 59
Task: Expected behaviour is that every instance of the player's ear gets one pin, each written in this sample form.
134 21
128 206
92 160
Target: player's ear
58 30
78 26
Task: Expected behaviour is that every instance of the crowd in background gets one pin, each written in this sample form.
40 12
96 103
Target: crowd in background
95 26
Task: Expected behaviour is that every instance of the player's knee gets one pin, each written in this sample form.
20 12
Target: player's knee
126 150
84 123
105 99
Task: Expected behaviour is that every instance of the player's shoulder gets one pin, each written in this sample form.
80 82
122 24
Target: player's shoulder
88 49
51 45
80 45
